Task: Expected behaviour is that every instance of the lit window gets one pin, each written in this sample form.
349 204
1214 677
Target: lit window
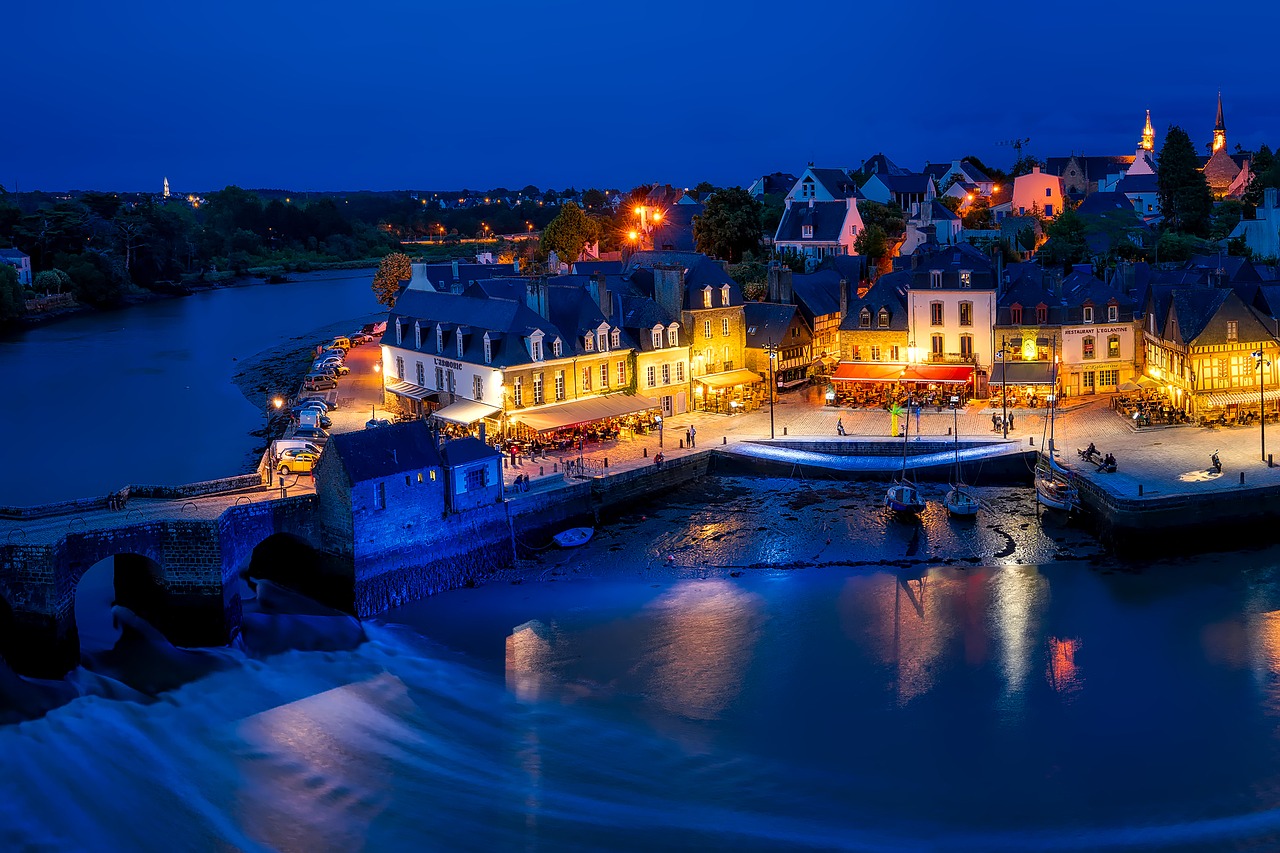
935 314
657 337
706 297
875 353
1233 330
556 348
966 278
1113 346
884 318
966 313
588 343
1087 348
864 318
673 335
724 326
724 295
604 375
651 376
622 373
616 339
586 379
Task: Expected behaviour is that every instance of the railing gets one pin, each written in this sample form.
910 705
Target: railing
952 358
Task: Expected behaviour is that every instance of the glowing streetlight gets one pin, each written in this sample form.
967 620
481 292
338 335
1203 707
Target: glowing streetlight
1261 363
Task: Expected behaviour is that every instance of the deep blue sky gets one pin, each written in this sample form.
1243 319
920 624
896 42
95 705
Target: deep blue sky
386 94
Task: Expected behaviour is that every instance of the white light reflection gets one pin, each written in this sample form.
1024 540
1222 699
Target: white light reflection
1019 596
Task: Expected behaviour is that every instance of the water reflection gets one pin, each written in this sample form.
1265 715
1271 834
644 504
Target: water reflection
703 639
1061 671
1019 597
527 662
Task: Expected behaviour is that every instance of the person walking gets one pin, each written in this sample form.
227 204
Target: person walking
995 422
840 426
693 436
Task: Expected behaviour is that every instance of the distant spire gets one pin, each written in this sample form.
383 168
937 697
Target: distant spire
166 187
1148 135
1220 128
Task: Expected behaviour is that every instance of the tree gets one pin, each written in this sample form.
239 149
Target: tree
704 188
978 217
1024 164
1175 247
593 198
1185 200
51 281
1066 244
1224 219
13 302
1266 173
392 270
872 243
729 225
568 234
951 203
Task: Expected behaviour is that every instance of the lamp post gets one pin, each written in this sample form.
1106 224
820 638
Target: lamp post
658 418
1004 386
772 349
272 402
1261 363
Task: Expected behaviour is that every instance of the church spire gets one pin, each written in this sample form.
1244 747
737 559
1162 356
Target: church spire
1219 129
1148 135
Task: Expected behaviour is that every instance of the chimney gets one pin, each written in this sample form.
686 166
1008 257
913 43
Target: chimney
535 296
482 432
811 202
779 283
455 270
844 298
668 288
1035 170
418 280
602 293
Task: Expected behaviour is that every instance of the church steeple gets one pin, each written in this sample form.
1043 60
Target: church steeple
1219 129
1148 135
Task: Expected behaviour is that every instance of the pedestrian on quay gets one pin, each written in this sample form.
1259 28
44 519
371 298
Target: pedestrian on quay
1011 421
995 422
688 437
840 426
657 460
693 436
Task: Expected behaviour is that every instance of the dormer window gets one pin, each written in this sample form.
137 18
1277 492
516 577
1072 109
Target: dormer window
1042 313
935 279
556 348
884 318
966 278
1088 313
399 333
417 335
706 297
461 342
657 337
864 318
673 335
488 349
724 295
535 349
1015 315
588 343
806 188
1113 313
602 338
806 232
616 339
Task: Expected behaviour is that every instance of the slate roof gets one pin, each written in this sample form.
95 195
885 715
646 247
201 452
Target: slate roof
779 183
12 254
767 321
1105 202
879 164
471 315
675 231
940 212
441 275
889 292
1195 308
851 267
593 267
837 182
826 217
1095 168
818 293
371 454
700 272
461 451
968 172
906 182
951 260
1137 184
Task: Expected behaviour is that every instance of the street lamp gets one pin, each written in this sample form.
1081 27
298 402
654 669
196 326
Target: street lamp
272 402
772 349
1261 363
658 418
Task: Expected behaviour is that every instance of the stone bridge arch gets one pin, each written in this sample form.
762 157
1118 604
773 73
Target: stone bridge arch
130 580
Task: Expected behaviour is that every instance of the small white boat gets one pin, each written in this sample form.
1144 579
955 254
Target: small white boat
960 503
573 537
904 497
1054 492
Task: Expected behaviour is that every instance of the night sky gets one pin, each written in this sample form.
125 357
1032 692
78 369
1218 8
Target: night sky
388 94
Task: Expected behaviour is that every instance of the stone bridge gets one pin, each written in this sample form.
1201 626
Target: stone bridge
188 549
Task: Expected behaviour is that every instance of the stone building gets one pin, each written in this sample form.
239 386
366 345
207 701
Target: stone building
473 474
371 483
709 304
823 298
875 327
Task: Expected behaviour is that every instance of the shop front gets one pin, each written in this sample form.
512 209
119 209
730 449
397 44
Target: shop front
1021 384
729 393
406 398
467 417
578 422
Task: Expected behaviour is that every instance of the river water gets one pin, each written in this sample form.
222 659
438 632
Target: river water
145 394
669 687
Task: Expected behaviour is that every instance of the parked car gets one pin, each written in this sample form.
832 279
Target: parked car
336 368
321 418
341 342
310 403
323 399
318 382
361 338
296 460
374 423
311 434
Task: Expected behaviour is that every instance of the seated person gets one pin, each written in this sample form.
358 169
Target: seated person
1090 451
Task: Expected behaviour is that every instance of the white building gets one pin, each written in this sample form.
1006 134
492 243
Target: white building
1262 233
951 304
19 262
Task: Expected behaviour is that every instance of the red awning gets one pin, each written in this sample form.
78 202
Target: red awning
861 371
945 374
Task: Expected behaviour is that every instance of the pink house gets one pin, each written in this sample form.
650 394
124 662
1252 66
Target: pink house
1038 191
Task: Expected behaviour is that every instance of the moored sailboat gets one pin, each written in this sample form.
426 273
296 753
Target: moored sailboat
904 496
1053 483
960 502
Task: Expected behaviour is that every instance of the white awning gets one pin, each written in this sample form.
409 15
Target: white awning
408 389
729 378
583 411
1236 398
465 412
